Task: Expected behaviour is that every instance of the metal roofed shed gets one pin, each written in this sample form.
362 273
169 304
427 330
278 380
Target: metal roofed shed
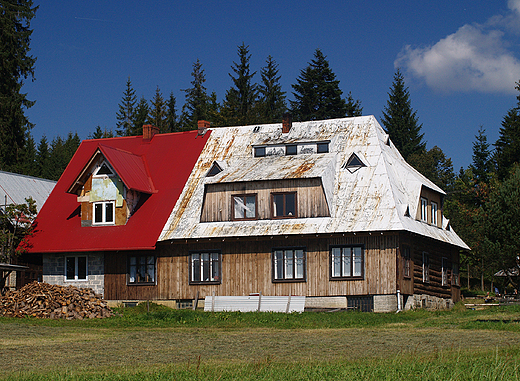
15 188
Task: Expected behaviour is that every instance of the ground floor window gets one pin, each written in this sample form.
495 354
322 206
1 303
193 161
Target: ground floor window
346 262
455 274
444 271
76 268
205 267
288 264
426 267
141 269
407 262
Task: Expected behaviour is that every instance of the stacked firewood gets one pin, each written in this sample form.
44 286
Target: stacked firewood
45 300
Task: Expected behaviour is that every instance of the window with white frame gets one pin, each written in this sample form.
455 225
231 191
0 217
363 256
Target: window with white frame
444 271
205 267
435 209
426 267
76 268
244 207
141 269
104 213
424 209
347 262
288 264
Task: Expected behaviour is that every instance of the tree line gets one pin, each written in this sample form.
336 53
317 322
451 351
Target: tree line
482 200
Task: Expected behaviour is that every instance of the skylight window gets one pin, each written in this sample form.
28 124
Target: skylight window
259 151
322 147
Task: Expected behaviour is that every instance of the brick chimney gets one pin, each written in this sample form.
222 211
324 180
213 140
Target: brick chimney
286 123
149 131
203 125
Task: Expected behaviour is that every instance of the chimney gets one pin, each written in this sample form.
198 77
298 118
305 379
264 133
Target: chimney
149 131
203 125
286 123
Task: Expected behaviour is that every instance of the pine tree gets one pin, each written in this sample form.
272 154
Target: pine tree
125 115
507 147
171 114
140 117
15 65
196 105
100 133
272 98
239 106
317 93
353 107
401 122
57 159
157 111
481 165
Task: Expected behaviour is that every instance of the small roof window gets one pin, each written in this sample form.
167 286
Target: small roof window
259 151
353 163
291 149
322 147
214 170
104 170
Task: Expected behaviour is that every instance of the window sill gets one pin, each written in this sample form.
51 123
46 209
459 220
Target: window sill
347 278
141 284
289 280
203 283
76 280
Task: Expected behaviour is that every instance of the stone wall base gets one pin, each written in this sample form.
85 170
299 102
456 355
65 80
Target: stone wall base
428 302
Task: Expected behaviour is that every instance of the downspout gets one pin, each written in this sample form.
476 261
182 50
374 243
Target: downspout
399 308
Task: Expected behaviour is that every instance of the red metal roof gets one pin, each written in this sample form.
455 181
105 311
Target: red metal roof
160 166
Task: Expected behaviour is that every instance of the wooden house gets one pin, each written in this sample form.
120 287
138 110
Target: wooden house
325 209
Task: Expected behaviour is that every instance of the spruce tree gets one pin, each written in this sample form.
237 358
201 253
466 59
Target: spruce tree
16 65
272 98
401 122
125 115
317 93
481 165
28 164
171 114
157 111
507 147
100 133
196 105
42 158
239 106
353 106
140 117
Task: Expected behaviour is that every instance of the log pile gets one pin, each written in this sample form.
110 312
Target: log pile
43 300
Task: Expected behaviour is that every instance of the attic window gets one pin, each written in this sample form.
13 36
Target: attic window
291 149
104 169
259 151
353 163
215 170
322 147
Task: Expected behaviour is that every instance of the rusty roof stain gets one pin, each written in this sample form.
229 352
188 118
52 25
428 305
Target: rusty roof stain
372 198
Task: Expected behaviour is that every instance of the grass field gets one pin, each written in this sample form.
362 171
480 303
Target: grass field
168 344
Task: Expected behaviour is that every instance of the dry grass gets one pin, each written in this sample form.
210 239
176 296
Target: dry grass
41 348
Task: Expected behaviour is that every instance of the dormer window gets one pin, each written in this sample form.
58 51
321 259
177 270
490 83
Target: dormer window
104 213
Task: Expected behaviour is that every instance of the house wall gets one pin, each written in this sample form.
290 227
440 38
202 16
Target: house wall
247 268
54 271
436 251
218 203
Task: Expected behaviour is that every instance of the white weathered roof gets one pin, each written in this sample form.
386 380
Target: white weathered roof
15 188
377 197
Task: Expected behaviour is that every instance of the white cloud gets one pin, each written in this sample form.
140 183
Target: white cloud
474 58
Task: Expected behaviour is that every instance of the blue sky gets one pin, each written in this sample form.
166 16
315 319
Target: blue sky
460 59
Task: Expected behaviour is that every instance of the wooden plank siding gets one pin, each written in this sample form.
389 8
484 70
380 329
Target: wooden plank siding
246 268
218 203
436 251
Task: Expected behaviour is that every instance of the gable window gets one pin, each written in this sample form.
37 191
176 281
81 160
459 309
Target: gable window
259 151
288 264
244 207
291 149
322 147
435 208
444 271
76 268
283 205
141 269
346 262
407 262
104 213
424 209
426 267
205 267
